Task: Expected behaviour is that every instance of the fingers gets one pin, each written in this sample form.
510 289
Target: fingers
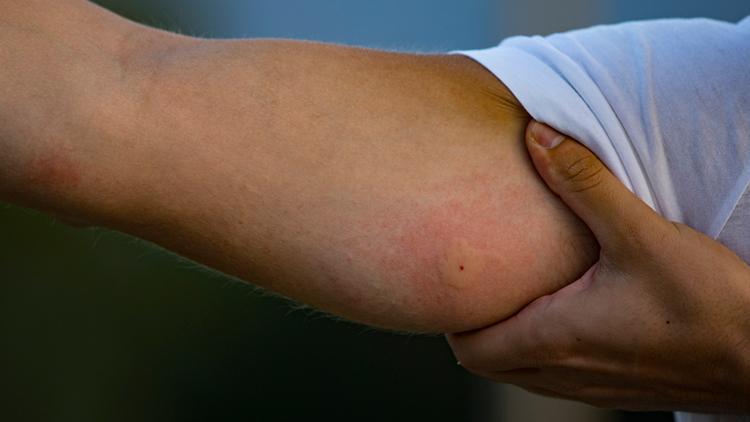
542 335
609 209
523 341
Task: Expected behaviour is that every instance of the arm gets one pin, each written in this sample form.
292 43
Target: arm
391 189
660 322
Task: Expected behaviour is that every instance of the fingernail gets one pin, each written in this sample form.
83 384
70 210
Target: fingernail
545 135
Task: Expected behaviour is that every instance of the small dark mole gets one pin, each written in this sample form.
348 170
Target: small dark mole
578 339
667 322
461 267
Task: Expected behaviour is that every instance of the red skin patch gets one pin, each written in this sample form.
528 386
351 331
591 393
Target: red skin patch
440 244
469 246
53 170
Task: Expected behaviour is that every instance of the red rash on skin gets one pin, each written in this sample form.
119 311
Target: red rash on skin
53 169
425 241
470 250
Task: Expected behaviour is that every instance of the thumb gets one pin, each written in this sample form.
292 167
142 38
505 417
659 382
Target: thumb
609 209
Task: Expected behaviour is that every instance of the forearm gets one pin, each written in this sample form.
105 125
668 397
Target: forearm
65 102
390 189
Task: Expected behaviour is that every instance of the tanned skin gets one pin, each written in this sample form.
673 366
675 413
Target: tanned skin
391 189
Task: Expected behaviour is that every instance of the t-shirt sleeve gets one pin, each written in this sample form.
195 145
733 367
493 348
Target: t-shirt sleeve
665 104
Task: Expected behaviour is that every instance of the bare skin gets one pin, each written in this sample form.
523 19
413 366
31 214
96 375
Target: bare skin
660 322
391 189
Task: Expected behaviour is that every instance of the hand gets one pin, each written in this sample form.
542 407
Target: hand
661 321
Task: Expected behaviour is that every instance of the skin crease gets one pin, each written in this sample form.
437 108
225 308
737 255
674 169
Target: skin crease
353 180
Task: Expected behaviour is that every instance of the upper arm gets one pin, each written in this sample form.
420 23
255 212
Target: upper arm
391 189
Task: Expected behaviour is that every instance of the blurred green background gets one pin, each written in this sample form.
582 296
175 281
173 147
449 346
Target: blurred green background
97 326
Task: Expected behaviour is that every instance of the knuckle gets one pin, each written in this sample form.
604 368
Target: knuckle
582 172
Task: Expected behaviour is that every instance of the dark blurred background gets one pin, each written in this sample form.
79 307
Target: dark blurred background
97 326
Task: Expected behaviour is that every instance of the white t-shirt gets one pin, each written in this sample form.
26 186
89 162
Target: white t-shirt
665 104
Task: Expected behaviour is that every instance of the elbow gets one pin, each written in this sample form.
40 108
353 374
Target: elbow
459 288
466 285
